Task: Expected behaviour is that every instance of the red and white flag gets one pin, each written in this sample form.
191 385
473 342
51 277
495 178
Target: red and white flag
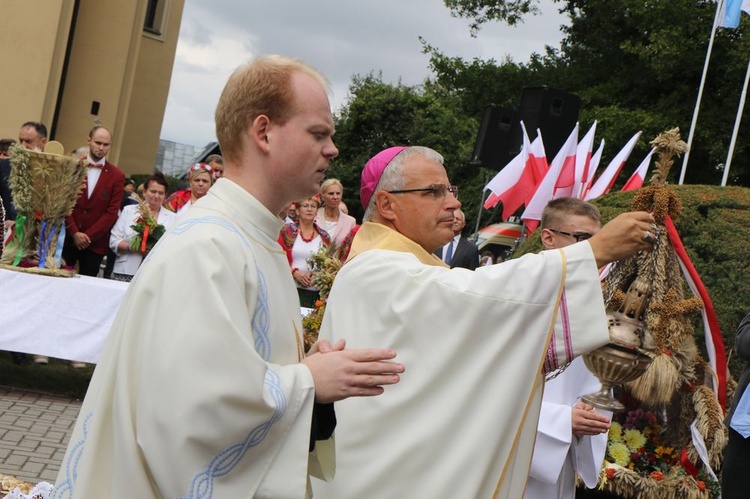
583 162
505 185
516 183
562 168
639 176
537 159
715 349
607 179
595 160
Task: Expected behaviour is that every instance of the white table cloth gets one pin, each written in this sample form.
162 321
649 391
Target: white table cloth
61 317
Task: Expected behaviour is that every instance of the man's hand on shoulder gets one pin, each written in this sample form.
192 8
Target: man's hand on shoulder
340 374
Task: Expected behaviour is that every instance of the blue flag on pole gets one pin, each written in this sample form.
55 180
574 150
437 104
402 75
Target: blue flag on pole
731 10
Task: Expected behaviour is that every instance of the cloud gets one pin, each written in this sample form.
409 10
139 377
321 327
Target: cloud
341 39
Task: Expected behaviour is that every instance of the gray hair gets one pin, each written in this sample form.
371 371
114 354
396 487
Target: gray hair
394 178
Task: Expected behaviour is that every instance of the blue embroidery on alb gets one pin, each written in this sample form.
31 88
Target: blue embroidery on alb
74 458
202 485
261 320
188 224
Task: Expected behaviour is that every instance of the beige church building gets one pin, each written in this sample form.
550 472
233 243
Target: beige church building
74 63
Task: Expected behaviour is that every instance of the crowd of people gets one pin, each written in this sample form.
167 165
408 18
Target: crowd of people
99 230
435 358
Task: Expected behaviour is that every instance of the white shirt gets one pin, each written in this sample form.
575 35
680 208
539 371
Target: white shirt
93 174
453 252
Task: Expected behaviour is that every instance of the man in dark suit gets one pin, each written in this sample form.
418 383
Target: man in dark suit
459 252
95 211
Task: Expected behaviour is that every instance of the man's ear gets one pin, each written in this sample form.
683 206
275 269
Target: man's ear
259 132
547 239
385 205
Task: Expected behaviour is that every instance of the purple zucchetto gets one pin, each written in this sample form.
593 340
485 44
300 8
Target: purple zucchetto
374 170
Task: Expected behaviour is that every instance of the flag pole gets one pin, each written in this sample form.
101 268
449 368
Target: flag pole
719 5
481 202
736 130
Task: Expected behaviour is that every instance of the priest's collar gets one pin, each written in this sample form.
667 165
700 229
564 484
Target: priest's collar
373 235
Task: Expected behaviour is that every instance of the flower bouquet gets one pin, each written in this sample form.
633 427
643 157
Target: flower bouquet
147 230
639 459
324 265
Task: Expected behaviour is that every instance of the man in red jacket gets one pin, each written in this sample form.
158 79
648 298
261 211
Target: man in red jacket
95 212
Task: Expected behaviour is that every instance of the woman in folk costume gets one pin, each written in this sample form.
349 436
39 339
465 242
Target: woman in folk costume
201 178
334 221
301 240
129 259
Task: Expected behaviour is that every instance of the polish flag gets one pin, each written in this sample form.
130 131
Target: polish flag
595 160
505 185
636 180
537 158
516 183
717 355
583 162
566 177
563 164
605 181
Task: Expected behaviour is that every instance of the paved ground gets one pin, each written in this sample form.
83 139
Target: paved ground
34 433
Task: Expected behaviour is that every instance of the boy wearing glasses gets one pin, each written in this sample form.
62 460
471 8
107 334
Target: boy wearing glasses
571 436
463 420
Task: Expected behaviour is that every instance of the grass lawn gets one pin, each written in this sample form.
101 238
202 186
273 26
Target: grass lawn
57 377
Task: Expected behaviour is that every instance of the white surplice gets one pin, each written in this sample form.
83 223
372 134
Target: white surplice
558 454
462 421
199 391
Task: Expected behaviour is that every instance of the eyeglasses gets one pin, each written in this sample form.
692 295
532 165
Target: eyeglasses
437 191
578 236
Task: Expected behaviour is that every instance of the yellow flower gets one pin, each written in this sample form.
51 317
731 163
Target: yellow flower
662 451
620 453
634 439
615 432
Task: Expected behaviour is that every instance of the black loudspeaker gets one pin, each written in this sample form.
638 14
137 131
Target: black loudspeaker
494 145
553 111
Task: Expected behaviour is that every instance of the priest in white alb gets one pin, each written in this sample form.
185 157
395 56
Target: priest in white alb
204 389
461 422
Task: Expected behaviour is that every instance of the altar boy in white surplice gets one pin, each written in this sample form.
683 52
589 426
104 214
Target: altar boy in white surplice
571 436
461 423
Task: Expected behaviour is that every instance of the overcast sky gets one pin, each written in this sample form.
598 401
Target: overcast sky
341 38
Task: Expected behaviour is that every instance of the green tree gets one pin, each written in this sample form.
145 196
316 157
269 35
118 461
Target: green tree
380 115
636 65
483 11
